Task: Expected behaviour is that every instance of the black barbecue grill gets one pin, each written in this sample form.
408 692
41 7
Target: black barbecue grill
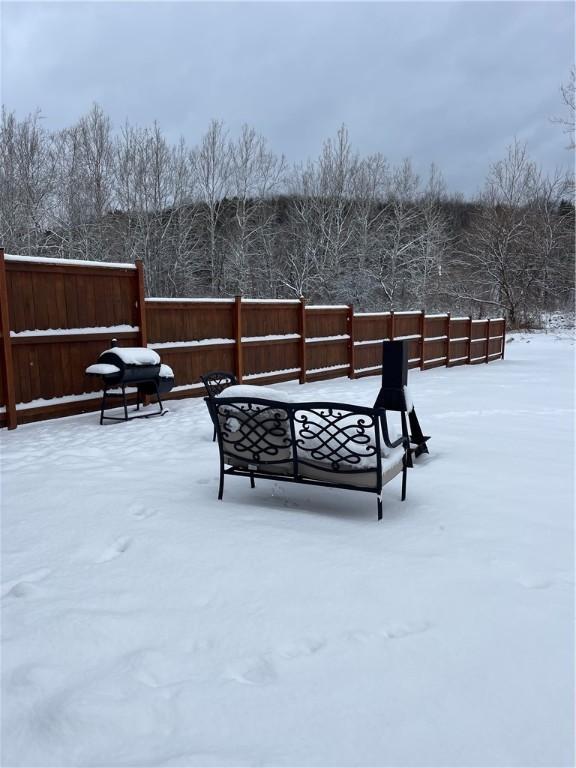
140 367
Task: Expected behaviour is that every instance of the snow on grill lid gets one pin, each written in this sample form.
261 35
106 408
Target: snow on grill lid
135 355
166 372
102 369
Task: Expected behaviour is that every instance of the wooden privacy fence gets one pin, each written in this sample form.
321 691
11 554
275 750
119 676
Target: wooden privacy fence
57 316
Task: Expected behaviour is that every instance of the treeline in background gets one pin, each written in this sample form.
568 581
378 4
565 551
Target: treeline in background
229 216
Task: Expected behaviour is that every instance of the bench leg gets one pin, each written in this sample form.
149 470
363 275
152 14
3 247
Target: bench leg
404 472
252 483
103 406
125 403
406 433
221 486
158 399
379 507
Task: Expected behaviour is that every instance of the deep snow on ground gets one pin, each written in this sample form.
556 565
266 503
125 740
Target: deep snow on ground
147 624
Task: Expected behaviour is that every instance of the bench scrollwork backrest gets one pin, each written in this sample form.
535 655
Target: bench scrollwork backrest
253 431
216 382
340 437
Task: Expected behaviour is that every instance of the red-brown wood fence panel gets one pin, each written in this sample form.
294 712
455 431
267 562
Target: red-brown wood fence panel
271 340
327 342
192 336
57 316
61 315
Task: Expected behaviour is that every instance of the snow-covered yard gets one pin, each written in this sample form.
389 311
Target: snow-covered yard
147 624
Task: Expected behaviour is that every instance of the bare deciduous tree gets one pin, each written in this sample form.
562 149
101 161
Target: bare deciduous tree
507 259
400 235
426 261
255 174
568 92
321 220
26 181
226 217
212 167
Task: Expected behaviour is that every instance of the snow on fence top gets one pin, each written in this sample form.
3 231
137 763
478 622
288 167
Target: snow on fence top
232 300
270 301
272 337
194 343
364 342
338 367
327 306
372 314
72 262
191 301
109 329
339 337
267 374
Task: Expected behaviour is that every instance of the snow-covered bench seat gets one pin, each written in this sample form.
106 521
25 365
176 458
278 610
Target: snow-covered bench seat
314 443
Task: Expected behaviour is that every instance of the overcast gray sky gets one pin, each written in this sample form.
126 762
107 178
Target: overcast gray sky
444 82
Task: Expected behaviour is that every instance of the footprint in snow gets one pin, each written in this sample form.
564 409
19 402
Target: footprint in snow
261 670
300 648
214 759
24 586
255 671
535 582
156 669
141 512
391 632
397 631
115 550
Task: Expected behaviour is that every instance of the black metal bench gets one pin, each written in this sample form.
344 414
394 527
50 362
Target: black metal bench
216 382
316 443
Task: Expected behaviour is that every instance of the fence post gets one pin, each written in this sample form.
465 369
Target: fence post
238 338
422 324
469 339
487 341
503 339
141 303
302 329
448 334
392 329
7 363
351 351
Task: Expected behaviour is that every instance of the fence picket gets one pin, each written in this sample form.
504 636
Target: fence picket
238 338
351 353
7 362
302 331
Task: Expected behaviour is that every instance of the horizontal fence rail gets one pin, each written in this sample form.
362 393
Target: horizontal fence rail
57 316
